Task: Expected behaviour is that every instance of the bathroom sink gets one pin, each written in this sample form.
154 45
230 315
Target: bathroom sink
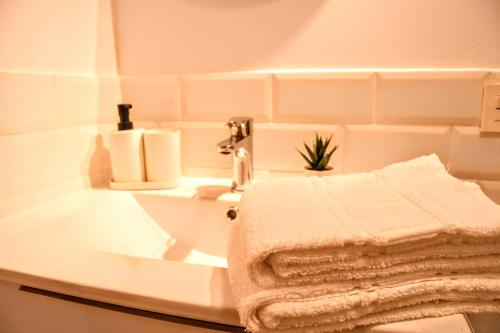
196 228
162 251
187 224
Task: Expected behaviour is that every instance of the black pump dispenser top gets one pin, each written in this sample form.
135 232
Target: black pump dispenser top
123 112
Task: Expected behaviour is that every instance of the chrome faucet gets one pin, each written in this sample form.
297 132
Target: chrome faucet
240 144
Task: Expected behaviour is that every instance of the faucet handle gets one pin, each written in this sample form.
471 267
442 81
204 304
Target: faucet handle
233 127
240 126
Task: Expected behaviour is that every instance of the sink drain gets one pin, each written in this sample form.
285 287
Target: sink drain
232 214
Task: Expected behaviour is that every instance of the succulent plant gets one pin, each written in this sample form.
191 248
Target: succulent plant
317 157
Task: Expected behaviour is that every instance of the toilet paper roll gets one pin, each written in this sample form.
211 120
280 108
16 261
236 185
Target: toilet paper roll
127 155
163 155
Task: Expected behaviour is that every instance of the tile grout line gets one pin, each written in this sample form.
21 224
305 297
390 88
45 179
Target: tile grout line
449 163
344 148
272 100
374 81
181 96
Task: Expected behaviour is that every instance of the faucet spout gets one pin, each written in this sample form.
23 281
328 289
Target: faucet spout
226 147
240 145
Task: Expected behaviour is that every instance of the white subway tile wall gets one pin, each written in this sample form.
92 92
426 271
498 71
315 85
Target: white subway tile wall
474 155
275 145
27 103
76 100
216 97
376 119
341 98
494 77
368 147
44 158
434 98
35 102
40 160
154 98
109 95
491 189
199 145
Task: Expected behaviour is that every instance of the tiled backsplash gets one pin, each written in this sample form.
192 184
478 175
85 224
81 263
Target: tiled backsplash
340 98
153 97
32 102
216 97
42 165
274 145
377 118
49 121
474 155
368 147
429 98
410 98
45 164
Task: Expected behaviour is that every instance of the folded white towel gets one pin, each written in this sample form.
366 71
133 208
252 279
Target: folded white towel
427 298
406 222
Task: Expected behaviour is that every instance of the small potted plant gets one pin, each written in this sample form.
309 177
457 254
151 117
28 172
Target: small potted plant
318 157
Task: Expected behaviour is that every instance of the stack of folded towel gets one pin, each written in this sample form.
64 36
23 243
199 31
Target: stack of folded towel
333 253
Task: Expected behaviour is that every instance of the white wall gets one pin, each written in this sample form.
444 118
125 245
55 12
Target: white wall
444 52
57 81
48 36
159 37
58 73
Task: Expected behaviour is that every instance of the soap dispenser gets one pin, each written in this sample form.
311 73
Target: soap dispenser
126 149
124 114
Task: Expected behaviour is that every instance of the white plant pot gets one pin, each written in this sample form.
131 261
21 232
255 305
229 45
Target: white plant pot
328 172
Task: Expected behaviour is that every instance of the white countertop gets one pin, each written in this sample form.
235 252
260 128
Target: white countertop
44 248
38 248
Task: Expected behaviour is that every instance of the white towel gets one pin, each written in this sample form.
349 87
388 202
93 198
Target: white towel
404 223
334 312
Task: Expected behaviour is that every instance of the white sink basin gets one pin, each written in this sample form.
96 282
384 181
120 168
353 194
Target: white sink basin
98 244
187 224
196 227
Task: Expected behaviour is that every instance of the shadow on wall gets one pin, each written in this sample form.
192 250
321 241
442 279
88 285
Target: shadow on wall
100 164
160 37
